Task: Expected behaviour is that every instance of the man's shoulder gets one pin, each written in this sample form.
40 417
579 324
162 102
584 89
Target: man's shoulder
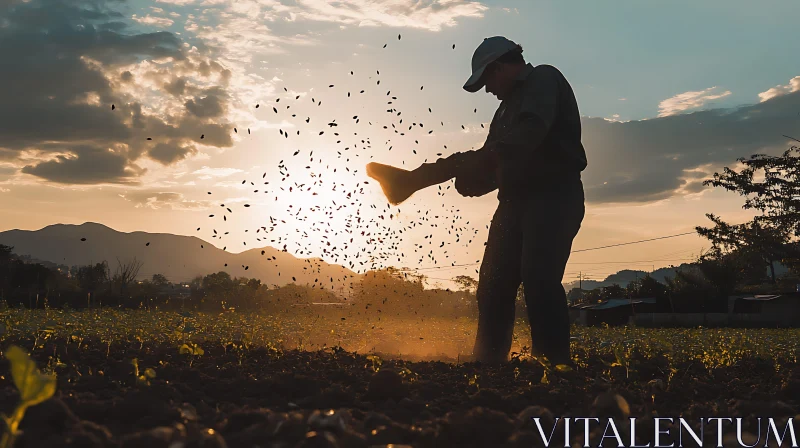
546 69
545 75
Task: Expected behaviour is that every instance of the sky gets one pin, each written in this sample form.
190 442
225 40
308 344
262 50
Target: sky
669 93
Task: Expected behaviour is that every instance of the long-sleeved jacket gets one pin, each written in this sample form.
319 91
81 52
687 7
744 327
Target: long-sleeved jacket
534 139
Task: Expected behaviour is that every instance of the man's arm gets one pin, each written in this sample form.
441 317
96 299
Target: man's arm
468 163
482 156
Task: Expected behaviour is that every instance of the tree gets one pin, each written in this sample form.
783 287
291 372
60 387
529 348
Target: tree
159 280
6 256
219 283
91 277
770 235
761 238
6 253
254 284
576 295
614 291
689 291
466 283
777 197
126 273
195 286
647 286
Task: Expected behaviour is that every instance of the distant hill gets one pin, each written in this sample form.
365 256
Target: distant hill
625 276
179 258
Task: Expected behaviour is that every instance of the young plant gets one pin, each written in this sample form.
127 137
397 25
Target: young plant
473 381
376 362
192 350
622 358
146 376
410 376
548 369
33 386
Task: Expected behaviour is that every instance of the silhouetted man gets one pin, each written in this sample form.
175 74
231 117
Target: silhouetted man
533 156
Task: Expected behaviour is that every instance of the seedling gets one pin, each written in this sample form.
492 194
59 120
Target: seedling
410 376
548 369
192 350
33 386
145 377
376 362
522 354
621 357
473 381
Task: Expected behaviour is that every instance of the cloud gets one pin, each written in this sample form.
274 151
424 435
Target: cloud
150 20
793 86
217 172
231 184
156 200
6 171
70 125
655 159
210 106
688 100
242 34
177 2
87 165
429 15
169 153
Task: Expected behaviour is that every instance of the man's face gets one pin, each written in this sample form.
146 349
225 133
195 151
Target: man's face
498 80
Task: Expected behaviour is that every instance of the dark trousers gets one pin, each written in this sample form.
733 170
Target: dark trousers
530 240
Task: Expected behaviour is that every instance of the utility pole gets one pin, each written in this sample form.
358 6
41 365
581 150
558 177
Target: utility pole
580 280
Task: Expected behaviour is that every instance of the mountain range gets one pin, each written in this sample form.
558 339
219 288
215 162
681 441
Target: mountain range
179 258
625 276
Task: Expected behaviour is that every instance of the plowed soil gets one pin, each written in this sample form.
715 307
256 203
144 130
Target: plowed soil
265 397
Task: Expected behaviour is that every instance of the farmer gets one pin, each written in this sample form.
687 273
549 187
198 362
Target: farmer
534 157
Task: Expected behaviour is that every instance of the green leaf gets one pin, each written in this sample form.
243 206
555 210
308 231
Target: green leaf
135 363
563 368
192 349
34 387
149 373
544 379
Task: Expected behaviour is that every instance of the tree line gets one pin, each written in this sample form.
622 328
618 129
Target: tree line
383 292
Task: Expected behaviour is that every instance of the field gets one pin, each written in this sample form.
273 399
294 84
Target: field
137 378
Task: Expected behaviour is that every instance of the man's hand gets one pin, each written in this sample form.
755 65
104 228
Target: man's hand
472 186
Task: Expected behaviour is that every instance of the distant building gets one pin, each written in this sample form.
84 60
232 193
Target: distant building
616 311
773 309
743 310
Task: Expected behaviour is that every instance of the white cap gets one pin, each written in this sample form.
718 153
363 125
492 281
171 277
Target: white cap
487 52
